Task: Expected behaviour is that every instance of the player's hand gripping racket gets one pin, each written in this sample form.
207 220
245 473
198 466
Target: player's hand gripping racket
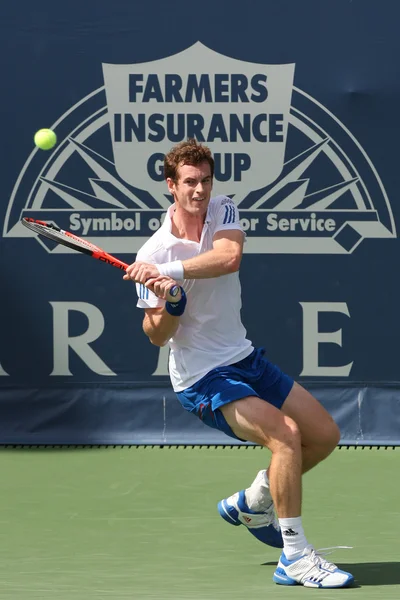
70 240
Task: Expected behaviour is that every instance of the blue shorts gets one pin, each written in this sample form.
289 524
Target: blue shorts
252 376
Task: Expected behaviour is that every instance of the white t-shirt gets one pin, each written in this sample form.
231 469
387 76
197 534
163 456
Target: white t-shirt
210 332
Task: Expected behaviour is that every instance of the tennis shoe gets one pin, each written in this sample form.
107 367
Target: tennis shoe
263 525
311 570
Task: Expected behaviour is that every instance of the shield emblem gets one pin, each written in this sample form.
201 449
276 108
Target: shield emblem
240 109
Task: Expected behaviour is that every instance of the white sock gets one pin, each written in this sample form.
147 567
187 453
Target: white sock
294 540
258 496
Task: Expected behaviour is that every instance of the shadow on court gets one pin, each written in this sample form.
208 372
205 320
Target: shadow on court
368 573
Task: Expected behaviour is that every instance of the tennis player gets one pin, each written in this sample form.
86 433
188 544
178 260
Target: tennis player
216 372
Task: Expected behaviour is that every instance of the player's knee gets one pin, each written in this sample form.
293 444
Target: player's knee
292 435
332 436
287 437
327 441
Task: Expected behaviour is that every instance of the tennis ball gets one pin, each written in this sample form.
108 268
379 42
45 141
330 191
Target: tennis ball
45 139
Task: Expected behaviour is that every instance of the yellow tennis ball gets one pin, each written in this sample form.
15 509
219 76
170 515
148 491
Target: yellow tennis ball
45 139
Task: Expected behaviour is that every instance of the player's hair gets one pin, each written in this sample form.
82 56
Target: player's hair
186 153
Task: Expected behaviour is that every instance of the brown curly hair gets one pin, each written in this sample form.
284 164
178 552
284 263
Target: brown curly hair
186 153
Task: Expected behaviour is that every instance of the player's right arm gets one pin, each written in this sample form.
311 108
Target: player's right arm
158 324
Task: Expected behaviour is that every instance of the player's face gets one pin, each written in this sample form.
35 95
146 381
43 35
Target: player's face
192 190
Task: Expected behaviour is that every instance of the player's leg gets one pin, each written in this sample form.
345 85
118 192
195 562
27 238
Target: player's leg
319 437
257 421
319 432
204 399
253 419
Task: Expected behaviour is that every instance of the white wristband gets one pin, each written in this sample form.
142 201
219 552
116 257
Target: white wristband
172 269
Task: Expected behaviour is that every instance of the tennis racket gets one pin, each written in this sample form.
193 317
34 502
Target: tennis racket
53 232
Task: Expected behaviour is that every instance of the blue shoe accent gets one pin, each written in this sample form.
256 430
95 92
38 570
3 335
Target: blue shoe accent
281 577
234 510
312 571
229 513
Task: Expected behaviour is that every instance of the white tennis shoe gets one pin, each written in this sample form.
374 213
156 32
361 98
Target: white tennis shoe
311 570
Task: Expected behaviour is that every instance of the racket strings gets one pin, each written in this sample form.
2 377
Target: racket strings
79 241
60 236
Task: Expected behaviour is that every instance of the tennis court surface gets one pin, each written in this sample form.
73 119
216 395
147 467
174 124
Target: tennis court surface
141 523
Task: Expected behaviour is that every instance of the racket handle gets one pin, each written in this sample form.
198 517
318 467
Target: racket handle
174 294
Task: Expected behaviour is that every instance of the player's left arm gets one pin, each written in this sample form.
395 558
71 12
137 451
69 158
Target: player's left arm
224 258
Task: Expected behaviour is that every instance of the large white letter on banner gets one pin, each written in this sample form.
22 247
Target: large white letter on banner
79 343
2 371
312 338
162 363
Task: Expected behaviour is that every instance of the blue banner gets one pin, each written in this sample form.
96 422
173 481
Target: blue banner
299 104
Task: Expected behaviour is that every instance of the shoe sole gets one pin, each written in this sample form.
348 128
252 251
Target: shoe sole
283 579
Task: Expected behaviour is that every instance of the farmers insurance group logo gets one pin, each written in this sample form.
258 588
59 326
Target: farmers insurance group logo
302 182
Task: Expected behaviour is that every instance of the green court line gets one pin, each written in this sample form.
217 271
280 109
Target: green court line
105 523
